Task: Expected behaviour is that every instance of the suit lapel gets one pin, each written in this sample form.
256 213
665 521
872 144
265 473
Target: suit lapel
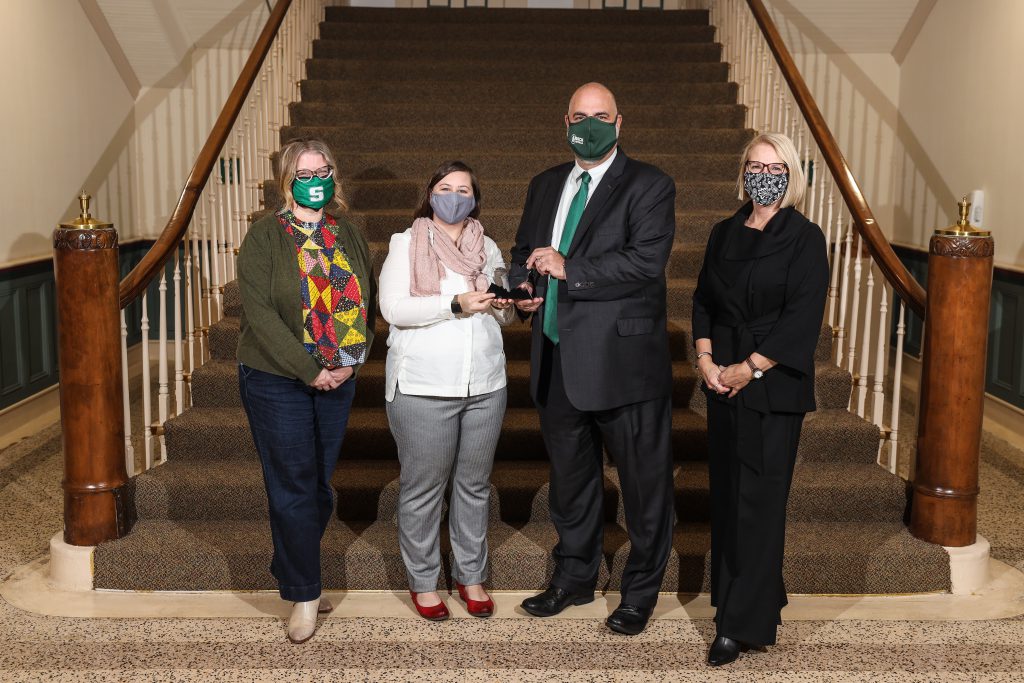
604 191
549 206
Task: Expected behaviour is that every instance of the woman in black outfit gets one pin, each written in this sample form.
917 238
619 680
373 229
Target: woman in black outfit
757 314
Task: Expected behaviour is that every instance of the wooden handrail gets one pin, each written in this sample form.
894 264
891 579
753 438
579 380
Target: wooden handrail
908 288
143 274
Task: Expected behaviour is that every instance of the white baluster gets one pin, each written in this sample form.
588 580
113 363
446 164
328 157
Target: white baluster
822 170
229 222
851 355
179 350
837 247
897 387
878 388
193 309
163 394
147 401
844 290
216 255
129 450
862 380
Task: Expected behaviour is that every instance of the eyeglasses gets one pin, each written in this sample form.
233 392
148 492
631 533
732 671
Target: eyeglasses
305 175
759 166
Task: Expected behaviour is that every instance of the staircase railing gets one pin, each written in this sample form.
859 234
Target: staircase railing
865 271
194 256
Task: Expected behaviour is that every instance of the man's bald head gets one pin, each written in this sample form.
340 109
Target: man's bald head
592 99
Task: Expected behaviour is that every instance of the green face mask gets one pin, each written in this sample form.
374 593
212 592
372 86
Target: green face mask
591 138
313 193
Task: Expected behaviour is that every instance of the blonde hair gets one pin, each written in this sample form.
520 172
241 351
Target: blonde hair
289 160
786 150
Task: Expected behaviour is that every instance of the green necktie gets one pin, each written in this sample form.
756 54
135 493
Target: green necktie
579 202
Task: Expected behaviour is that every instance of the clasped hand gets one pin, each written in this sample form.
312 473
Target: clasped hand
329 380
725 380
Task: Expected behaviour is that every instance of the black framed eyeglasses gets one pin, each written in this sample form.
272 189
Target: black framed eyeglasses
760 166
323 173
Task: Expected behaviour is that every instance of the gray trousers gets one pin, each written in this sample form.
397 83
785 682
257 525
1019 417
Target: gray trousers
441 439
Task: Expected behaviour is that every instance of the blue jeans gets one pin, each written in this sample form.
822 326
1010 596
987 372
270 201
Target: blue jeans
298 432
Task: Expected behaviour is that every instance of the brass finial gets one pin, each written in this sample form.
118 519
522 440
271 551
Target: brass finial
85 221
963 227
83 201
965 211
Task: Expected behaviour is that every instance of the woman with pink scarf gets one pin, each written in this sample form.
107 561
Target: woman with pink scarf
445 384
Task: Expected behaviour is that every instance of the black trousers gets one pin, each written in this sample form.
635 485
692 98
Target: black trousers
638 437
748 521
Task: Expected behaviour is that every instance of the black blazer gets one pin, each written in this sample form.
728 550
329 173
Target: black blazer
765 291
612 326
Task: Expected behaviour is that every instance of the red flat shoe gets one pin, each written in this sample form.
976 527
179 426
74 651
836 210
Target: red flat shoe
436 612
476 608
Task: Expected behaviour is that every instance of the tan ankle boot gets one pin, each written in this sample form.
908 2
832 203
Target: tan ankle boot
302 622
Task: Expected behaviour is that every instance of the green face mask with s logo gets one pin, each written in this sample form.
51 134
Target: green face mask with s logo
314 193
591 138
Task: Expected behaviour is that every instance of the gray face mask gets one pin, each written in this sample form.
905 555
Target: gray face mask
452 207
764 188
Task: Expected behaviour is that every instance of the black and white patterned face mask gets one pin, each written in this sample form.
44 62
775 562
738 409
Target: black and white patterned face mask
765 188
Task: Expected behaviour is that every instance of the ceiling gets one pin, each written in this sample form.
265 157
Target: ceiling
157 36
873 26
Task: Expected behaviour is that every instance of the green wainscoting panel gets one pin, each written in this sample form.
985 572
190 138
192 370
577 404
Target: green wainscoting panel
28 331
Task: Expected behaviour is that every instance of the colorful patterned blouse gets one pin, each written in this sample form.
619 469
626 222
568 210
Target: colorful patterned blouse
333 310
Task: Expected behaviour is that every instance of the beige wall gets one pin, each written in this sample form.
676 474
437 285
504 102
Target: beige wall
65 103
75 118
962 101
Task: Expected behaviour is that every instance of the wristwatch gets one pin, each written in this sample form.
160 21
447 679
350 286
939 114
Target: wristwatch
758 373
456 306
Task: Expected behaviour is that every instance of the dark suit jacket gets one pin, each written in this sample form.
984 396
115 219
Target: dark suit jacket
612 326
765 292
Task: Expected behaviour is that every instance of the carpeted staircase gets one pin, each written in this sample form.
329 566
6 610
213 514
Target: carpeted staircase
394 93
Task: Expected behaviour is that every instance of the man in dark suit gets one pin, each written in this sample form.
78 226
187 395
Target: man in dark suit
592 247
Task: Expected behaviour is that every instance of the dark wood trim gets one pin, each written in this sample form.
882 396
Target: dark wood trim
131 286
898 276
1001 273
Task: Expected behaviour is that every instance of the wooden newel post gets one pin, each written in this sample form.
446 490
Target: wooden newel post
89 327
945 504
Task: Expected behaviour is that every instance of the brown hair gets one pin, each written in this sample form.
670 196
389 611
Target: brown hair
425 210
289 160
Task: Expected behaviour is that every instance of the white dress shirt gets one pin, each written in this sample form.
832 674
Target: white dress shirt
572 185
432 351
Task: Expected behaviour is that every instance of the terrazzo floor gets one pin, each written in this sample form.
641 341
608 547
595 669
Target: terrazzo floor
38 648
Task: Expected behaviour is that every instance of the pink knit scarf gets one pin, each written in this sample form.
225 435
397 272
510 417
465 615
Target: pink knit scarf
428 258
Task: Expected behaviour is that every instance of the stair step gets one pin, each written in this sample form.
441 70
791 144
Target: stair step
426 92
369 437
184 555
549 138
224 335
372 114
827 436
501 224
417 167
369 195
537 32
475 46
487 16
586 68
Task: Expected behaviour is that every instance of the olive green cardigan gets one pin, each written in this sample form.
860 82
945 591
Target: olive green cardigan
269 279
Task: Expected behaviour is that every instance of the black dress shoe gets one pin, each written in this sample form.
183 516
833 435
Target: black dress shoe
629 619
554 600
724 651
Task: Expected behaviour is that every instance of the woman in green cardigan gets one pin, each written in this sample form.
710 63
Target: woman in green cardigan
308 310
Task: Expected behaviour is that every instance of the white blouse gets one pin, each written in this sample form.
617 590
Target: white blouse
432 351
